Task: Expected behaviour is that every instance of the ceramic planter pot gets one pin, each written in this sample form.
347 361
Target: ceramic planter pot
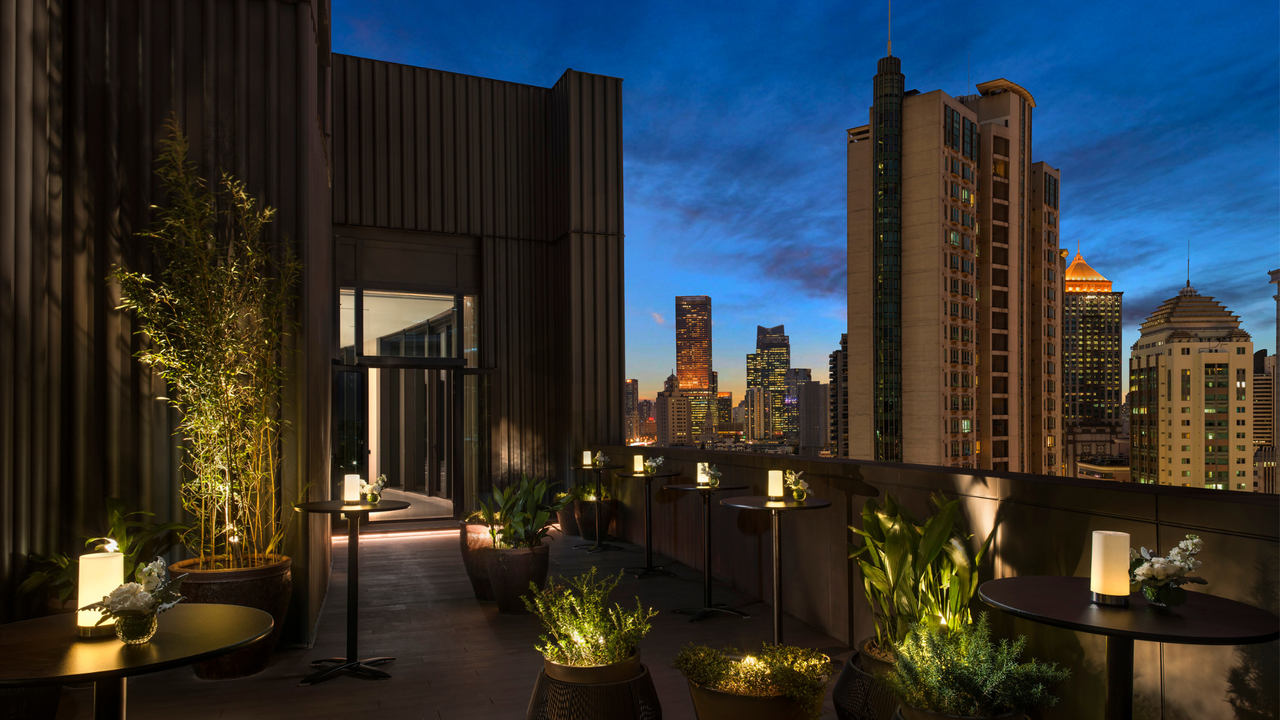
585 512
510 572
910 713
476 544
568 520
860 695
621 671
870 662
715 705
266 587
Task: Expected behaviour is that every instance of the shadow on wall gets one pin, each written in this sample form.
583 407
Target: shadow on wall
1253 685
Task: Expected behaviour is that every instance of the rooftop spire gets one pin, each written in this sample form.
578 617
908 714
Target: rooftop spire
890 27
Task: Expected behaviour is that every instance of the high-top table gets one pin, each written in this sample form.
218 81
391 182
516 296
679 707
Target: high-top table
775 508
1064 602
48 650
708 607
649 568
355 513
600 545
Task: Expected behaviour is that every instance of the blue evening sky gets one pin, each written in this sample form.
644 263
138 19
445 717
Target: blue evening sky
1163 117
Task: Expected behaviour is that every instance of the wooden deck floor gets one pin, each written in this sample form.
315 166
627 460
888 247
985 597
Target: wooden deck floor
456 657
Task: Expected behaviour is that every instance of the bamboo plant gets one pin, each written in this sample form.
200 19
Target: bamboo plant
216 313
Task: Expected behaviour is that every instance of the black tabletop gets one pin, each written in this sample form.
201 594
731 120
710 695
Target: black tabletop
760 502
704 487
336 506
1064 602
48 650
661 474
602 467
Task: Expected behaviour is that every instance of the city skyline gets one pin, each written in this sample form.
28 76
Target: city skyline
735 173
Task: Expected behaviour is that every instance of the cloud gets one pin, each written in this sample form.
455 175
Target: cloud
657 318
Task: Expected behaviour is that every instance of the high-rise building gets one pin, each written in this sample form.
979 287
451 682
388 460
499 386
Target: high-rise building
674 412
812 403
954 281
724 408
767 368
630 406
838 376
1091 368
756 421
648 421
1264 398
693 356
1191 372
795 378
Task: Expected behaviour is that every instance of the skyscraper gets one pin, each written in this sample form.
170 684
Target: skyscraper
838 375
724 408
812 401
954 278
630 406
1191 373
767 369
693 356
1264 398
1091 365
756 422
672 408
795 378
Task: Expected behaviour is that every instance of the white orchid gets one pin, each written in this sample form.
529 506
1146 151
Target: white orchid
153 593
600 460
652 464
129 598
1147 570
151 575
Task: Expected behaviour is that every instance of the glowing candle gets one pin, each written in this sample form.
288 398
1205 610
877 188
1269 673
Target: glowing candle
637 464
586 458
776 489
1109 570
100 573
351 488
703 479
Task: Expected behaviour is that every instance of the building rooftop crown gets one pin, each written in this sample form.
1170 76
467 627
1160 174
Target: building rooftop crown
1080 277
1192 315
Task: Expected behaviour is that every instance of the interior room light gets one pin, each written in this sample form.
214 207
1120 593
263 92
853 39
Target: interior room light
100 573
1109 570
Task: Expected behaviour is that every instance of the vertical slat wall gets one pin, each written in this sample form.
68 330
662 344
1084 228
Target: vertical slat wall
85 87
536 175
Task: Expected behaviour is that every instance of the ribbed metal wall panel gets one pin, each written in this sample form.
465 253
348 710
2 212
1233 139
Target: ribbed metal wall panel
84 89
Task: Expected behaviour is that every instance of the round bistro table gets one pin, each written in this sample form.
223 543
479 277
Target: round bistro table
649 568
1064 602
775 508
600 545
356 513
48 650
708 607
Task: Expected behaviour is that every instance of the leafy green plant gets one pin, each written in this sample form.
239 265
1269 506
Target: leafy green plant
135 537
216 314
959 671
585 493
581 630
775 670
525 512
913 572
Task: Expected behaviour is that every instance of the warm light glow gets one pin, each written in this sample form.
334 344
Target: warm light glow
637 464
351 488
586 458
776 488
100 573
111 546
703 478
1109 572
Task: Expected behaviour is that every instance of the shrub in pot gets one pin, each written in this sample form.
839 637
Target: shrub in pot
959 672
476 542
586 641
584 510
565 516
779 682
518 559
216 313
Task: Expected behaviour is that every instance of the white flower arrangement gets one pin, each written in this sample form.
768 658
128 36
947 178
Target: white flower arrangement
373 490
600 460
713 475
1160 579
153 593
652 464
795 480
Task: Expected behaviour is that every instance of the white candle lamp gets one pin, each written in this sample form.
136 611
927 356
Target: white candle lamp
1109 569
776 487
351 489
100 573
703 478
637 464
586 458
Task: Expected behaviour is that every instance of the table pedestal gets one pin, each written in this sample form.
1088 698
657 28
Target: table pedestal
350 663
109 699
1119 678
649 568
600 545
708 607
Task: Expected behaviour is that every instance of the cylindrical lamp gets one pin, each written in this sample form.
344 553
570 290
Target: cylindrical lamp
776 487
351 489
1109 570
637 464
586 458
100 573
703 478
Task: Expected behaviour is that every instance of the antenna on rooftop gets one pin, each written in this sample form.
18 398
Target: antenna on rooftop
968 67
890 27
1188 262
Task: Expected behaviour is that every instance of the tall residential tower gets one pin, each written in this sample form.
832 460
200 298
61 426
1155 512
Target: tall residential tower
1091 368
693 358
767 369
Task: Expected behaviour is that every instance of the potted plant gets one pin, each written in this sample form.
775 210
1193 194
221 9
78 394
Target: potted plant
957 672
1160 579
587 642
584 510
518 560
779 682
475 537
566 516
216 313
135 605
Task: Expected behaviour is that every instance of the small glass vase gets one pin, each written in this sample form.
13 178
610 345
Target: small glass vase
372 499
799 494
713 481
136 629
1164 596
